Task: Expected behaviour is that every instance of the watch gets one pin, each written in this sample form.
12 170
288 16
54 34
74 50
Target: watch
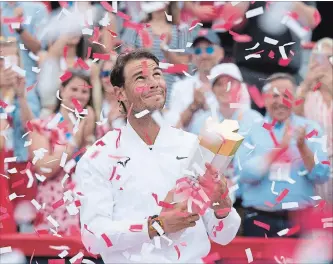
156 219
19 30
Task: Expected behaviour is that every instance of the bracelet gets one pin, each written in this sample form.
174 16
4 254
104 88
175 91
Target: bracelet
156 219
19 30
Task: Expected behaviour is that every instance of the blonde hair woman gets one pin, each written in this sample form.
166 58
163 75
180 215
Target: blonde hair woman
317 93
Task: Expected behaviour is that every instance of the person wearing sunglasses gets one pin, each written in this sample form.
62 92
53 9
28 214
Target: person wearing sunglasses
192 95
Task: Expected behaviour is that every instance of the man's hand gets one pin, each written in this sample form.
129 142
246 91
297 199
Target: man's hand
217 191
315 74
19 87
287 135
18 12
177 219
199 100
300 135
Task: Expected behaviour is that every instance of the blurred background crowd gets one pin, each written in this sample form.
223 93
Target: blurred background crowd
266 64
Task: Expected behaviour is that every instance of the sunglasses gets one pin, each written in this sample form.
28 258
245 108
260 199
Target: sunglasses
209 50
105 74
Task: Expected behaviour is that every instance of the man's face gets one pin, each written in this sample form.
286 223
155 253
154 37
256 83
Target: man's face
274 99
227 90
206 55
144 86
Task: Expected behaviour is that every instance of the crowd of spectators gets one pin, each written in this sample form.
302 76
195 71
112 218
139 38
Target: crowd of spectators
221 59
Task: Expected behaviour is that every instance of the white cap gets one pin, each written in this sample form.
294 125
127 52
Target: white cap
228 69
149 7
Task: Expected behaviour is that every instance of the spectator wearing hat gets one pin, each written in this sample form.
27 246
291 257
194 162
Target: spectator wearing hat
193 96
280 165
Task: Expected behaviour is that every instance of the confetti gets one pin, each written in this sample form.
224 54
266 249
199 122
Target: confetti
123 16
176 68
63 159
77 257
101 56
33 56
294 26
10 159
261 224
255 56
107 240
211 258
289 205
271 41
17 183
19 70
142 113
316 158
293 230
254 12
177 250
144 66
136 228
168 17
63 254
22 47
254 47
249 256
67 75
58 204
83 64
107 6
240 38
317 86
284 62
36 204
314 132
14 195
283 52
283 232
42 178
273 187
4 250
271 54
52 221
132 25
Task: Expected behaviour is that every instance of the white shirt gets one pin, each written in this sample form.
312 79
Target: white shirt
111 207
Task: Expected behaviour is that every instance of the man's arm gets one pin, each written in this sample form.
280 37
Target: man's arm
96 214
29 41
307 14
231 224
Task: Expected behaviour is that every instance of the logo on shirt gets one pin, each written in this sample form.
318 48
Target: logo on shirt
180 158
124 161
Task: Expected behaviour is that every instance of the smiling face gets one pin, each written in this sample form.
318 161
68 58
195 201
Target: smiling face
274 99
144 86
76 88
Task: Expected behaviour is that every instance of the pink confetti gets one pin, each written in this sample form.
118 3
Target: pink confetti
177 250
56 261
31 87
107 240
123 16
271 54
107 6
256 96
183 244
267 126
42 232
220 226
282 195
113 34
317 17
293 230
77 105
66 76
79 152
261 224
162 203
86 228
118 138
58 204
288 93
113 172
269 204
240 38
101 56
95 36
136 228
77 203
83 64
326 162
211 258
3 104
162 37
311 134
177 68
284 62
100 143
286 102
135 26
17 183
11 20
317 86
144 65
146 39
299 101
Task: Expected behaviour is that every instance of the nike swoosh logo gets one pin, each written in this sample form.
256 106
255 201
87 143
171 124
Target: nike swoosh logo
180 158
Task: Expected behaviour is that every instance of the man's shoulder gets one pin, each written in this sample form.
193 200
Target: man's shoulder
302 121
34 6
254 116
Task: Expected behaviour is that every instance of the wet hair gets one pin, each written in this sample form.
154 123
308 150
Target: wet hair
76 74
278 76
117 77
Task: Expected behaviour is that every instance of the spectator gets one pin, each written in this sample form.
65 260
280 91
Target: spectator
54 65
278 161
111 108
151 37
18 112
254 69
193 96
58 139
318 104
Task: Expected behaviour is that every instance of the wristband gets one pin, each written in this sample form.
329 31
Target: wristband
19 30
156 219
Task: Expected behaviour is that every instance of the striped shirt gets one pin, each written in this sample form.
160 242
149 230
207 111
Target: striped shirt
179 38
316 109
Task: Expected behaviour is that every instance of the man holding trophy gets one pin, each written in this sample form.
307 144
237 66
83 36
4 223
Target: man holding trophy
151 193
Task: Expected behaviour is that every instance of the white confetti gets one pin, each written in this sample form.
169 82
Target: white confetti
315 198
168 17
63 159
76 257
316 158
54 121
33 56
283 52
41 178
66 176
256 56
187 74
329 219
22 47
27 20
328 225
165 65
63 254
70 165
24 135
72 209
203 195
176 50
15 25
19 70
294 26
52 221
254 47
168 240
142 113
30 177
302 173
254 12
248 145
249 256
36 204
4 250
114 6
283 232
158 228
271 41
10 159
14 195
189 204
87 261
189 44
27 143
45 170
239 165
233 3
59 247
275 91
197 24
289 205
35 69
12 171
273 187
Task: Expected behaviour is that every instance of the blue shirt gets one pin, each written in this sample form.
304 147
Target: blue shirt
257 181
38 13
